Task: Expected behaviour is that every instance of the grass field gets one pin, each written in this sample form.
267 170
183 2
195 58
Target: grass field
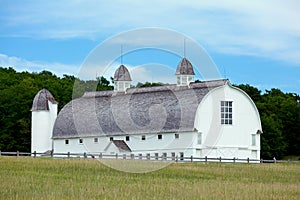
42 178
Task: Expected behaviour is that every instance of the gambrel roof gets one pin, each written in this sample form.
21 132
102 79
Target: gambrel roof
168 108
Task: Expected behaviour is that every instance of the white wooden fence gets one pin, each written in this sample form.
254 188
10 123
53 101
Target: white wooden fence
140 157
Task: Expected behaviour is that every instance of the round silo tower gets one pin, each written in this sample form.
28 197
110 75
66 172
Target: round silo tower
43 115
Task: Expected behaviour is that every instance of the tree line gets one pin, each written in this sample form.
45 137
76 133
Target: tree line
279 111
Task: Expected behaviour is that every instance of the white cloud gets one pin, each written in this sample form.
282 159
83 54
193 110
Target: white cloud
267 28
21 64
153 73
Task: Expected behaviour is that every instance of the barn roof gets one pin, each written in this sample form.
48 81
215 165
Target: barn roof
168 108
40 101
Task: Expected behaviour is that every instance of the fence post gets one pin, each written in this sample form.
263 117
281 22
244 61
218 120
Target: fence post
116 156
248 160
51 153
205 159
176 158
233 159
261 160
0 152
100 155
34 154
84 155
68 154
191 158
220 159
18 153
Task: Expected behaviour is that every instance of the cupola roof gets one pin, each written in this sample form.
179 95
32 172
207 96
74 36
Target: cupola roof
40 101
122 74
185 68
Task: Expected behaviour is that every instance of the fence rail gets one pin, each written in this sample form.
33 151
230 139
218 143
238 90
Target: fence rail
141 157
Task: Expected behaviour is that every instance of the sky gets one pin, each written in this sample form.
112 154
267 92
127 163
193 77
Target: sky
249 42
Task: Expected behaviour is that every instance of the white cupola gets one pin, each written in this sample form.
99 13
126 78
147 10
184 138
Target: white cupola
122 79
184 73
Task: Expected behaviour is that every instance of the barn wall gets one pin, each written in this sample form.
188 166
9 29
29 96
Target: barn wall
168 144
228 140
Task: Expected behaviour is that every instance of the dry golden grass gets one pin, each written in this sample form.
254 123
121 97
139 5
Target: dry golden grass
40 178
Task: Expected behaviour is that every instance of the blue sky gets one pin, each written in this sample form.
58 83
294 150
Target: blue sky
254 42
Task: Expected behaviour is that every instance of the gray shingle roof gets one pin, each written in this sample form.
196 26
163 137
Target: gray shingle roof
159 109
122 74
40 101
185 68
121 144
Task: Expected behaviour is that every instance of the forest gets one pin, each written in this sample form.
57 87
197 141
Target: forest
279 111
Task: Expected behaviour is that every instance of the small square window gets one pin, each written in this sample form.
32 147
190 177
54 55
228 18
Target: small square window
111 138
66 141
80 141
159 136
143 137
127 138
96 140
176 135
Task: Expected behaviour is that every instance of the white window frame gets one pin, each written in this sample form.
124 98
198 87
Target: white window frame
183 80
226 108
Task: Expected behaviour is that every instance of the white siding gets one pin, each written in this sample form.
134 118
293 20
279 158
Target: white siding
41 128
228 140
168 144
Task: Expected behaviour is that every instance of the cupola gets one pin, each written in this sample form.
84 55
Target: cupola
122 79
184 72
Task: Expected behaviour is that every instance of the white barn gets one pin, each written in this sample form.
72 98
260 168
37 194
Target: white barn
206 119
